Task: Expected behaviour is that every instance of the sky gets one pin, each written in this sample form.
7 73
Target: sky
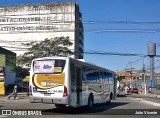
120 26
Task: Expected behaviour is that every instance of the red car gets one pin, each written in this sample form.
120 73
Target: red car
134 90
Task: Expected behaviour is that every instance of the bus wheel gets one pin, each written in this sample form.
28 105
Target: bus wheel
90 102
60 106
110 98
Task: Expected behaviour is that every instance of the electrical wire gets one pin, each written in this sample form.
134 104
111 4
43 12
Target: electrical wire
96 53
85 30
42 15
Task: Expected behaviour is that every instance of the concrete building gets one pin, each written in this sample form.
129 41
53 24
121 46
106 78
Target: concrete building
136 77
36 22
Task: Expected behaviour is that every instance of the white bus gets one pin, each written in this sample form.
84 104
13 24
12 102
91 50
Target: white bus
65 81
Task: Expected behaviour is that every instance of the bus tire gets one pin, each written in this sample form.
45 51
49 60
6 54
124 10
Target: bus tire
110 98
60 106
90 101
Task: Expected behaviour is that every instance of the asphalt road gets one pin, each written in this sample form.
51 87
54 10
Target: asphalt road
124 106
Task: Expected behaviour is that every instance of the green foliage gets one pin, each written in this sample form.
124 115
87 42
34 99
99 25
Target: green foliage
11 62
57 46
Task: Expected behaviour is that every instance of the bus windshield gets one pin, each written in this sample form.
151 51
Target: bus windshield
48 66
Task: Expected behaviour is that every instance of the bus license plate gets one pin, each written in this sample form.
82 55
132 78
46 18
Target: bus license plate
47 94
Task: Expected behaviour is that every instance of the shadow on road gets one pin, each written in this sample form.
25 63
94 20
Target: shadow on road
98 108
120 95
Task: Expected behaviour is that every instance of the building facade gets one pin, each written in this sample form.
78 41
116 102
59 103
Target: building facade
136 77
7 69
36 22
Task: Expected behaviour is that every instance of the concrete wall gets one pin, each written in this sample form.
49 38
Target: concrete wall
36 22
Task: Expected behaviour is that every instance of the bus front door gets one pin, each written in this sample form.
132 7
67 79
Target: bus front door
78 84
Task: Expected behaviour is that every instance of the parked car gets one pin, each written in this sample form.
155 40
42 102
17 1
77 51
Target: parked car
21 87
134 90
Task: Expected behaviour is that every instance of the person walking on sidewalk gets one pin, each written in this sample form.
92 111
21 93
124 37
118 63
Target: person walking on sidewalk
13 93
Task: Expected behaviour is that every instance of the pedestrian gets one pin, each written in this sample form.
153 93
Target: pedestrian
126 90
13 93
141 90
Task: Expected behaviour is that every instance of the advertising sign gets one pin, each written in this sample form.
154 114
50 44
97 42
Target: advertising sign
2 65
44 66
2 59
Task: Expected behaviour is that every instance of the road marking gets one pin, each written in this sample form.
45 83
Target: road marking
148 102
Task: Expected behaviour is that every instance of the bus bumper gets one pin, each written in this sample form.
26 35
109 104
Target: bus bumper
62 100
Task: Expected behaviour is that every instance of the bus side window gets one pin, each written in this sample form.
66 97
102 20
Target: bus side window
83 74
106 77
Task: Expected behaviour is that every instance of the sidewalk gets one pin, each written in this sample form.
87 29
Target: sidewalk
142 95
149 98
23 95
148 95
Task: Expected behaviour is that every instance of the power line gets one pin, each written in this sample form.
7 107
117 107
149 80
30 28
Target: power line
111 53
124 30
70 21
3 17
121 22
87 30
96 52
93 52
138 60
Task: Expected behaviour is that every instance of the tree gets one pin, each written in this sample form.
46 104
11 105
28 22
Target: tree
11 62
21 72
57 46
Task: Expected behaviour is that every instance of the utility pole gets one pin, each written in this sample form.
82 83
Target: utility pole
131 74
129 70
144 77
